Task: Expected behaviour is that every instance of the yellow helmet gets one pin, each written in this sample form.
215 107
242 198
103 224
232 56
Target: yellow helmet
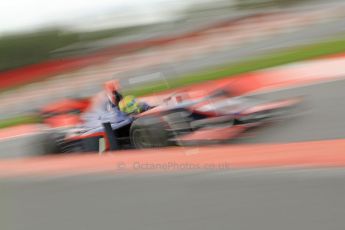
129 105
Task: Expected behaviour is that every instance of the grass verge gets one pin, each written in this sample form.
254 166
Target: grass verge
28 119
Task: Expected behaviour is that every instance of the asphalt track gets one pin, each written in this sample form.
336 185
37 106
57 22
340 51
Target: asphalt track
244 199
230 199
320 117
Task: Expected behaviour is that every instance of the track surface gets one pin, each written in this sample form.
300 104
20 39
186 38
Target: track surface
253 199
320 117
234 199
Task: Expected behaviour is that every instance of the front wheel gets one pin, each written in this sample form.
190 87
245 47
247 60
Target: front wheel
149 133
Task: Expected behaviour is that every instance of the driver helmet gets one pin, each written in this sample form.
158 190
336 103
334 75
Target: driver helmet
129 105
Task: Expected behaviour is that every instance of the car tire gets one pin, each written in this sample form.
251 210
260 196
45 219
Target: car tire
149 132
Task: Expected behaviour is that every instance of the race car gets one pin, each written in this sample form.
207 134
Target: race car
181 119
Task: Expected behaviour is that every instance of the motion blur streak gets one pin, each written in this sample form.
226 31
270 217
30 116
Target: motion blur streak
227 114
